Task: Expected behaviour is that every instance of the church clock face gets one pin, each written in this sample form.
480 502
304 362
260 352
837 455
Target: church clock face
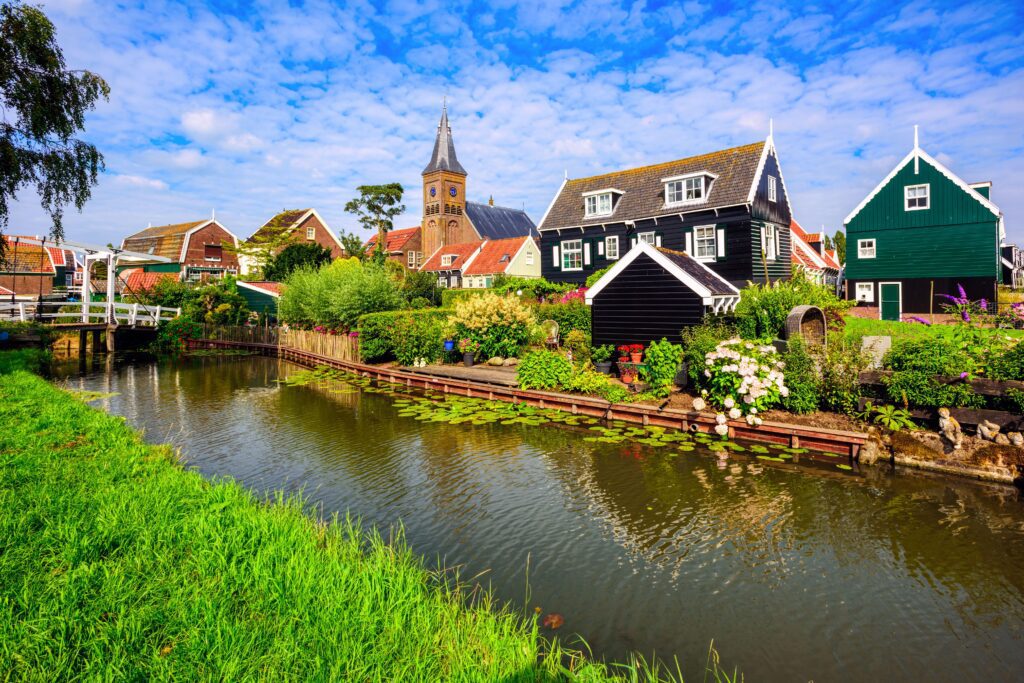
433 191
453 191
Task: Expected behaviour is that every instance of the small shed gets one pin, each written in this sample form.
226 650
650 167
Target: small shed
261 296
653 293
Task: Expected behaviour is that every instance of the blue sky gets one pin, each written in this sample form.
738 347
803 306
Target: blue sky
249 108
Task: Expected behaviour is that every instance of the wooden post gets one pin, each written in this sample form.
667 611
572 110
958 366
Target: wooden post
95 342
156 319
83 338
931 302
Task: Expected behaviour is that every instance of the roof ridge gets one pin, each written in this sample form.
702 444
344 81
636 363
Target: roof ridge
649 167
495 206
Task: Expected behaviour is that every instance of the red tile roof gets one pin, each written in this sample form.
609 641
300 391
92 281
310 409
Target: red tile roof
809 240
397 239
266 286
495 256
5 292
21 257
57 256
462 252
138 280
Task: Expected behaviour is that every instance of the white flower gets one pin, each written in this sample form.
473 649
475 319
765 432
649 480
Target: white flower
753 411
729 403
784 391
734 414
748 399
750 420
707 373
720 419
699 404
703 392
758 421
722 430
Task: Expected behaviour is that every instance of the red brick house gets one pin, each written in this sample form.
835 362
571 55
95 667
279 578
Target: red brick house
27 271
404 246
198 250
296 226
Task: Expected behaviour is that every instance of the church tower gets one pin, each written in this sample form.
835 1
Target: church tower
444 194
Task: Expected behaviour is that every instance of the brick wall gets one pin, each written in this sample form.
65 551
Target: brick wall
322 236
195 254
27 285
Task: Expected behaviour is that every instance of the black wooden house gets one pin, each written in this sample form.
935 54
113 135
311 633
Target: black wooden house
727 209
653 292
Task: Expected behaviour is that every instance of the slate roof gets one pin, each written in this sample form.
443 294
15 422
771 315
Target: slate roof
462 251
695 269
397 239
495 256
644 193
499 222
443 158
162 240
21 257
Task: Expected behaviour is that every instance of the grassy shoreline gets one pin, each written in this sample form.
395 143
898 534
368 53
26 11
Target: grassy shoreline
118 563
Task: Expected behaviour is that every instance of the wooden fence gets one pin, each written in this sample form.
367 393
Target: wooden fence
337 346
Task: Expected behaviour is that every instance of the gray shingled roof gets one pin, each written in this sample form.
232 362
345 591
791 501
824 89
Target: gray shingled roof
499 222
644 193
715 283
443 158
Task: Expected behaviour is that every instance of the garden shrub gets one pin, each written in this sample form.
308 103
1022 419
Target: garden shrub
336 295
762 310
841 364
916 363
663 359
801 378
544 370
172 335
421 284
597 275
699 341
402 335
570 316
532 288
501 325
577 343
744 377
450 296
1008 364
418 302
218 303
590 382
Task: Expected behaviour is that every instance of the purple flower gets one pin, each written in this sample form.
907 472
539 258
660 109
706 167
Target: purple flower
963 294
965 315
963 375
919 320
950 297
983 304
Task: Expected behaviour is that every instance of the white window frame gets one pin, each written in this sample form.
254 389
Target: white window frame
771 242
571 248
214 259
410 259
868 291
907 189
611 248
442 282
772 188
692 188
311 233
649 237
599 204
447 260
529 257
863 248
697 239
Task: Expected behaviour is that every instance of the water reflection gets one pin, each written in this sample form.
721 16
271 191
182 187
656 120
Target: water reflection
797 574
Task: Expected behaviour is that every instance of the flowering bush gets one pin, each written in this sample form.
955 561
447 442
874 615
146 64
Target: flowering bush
499 324
575 296
744 378
468 346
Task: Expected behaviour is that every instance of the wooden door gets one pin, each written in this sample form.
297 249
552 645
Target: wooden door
890 304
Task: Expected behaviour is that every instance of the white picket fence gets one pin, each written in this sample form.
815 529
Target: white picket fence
89 313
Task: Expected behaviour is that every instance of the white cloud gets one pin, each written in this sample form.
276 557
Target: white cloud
139 181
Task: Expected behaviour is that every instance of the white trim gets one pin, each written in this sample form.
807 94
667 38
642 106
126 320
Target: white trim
927 197
870 299
337 240
618 251
769 148
663 213
561 255
667 264
257 288
913 155
1008 264
552 204
684 176
806 249
695 244
880 302
607 190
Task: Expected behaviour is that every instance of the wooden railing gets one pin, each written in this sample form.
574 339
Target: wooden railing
87 313
341 346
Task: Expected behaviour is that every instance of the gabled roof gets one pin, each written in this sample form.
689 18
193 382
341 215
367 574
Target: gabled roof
464 252
918 154
396 240
6 292
496 256
22 257
706 283
273 289
443 158
804 254
289 220
735 172
499 222
162 240
137 280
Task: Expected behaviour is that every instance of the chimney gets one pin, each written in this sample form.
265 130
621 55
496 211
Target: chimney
490 202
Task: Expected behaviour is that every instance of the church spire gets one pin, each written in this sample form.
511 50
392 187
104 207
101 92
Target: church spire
443 158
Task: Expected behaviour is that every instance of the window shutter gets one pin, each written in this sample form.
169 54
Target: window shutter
657 240
720 242
763 245
632 243
586 253
689 243
600 247
554 256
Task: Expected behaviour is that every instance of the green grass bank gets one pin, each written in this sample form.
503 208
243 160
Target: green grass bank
116 563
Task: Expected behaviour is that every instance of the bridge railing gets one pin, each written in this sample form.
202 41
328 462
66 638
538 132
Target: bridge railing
86 312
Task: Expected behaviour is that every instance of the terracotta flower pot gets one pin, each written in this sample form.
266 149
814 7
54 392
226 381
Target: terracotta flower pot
636 357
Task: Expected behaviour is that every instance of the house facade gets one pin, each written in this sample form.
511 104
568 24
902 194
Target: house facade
810 256
513 256
404 246
261 296
1013 266
27 270
727 209
919 234
291 226
450 262
197 250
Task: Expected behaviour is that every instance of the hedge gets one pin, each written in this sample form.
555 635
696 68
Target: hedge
572 316
401 335
450 296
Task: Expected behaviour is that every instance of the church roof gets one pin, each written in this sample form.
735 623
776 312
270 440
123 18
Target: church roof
499 222
443 158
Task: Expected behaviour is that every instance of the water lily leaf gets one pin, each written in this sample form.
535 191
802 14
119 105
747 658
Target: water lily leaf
843 467
768 457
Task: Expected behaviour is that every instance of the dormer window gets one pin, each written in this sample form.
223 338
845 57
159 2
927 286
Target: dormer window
600 202
687 189
447 259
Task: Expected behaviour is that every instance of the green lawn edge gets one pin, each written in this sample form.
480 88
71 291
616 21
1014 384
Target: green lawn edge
117 563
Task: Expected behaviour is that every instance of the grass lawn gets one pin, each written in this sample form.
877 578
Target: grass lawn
860 327
116 563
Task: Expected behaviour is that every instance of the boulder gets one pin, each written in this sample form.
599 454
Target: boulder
496 361
510 362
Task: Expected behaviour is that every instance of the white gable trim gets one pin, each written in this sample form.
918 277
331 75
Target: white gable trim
519 251
554 199
188 238
769 148
914 155
659 258
314 212
256 288
806 249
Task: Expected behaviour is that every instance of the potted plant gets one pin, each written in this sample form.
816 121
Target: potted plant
623 353
469 349
636 352
627 373
602 357
449 344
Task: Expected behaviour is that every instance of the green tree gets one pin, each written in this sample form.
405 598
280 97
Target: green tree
269 240
375 208
294 256
840 242
354 245
218 303
44 107
421 284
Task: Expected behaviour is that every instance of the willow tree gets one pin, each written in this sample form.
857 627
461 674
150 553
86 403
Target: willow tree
375 208
44 109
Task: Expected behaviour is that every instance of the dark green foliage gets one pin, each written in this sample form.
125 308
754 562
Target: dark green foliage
577 342
571 316
418 302
839 242
168 292
801 379
840 367
699 341
30 360
353 244
762 310
420 284
217 304
1016 400
1009 364
594 383
597 275
532 288
402 335
662 359
916 363
172 335
544 370
44 107
293 257
602 354
375 208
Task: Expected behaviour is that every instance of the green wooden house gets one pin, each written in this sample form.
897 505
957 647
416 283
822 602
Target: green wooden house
261 296
919 234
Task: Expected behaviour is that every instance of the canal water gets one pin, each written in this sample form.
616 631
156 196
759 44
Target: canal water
797 573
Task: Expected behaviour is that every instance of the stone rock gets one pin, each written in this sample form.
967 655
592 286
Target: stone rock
872 451
988 430
1002 440
876 346
1016 438
510 362
497 361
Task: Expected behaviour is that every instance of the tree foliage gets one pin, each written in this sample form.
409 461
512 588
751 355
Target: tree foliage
44 107
354 245
335 296
293 257
840 245
375 208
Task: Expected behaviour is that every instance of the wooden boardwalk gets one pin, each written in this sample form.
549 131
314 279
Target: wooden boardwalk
486 374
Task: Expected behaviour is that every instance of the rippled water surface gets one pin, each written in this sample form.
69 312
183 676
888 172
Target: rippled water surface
797 573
